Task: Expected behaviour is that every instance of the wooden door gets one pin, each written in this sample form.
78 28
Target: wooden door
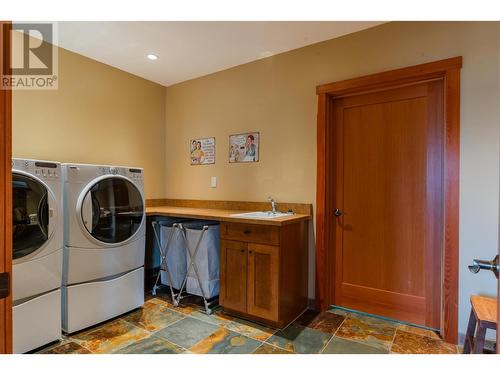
5 196
233 273
389 190
263 281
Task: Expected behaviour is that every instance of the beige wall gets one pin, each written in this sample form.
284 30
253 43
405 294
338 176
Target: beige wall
276 96
103 115
98 115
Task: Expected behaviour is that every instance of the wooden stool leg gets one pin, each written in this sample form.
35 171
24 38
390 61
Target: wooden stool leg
480 337
469 335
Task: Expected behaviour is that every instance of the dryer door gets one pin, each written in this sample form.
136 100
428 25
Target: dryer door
30 215
112 210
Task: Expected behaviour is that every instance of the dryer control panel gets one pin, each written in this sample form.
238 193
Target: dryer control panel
135 173
132 173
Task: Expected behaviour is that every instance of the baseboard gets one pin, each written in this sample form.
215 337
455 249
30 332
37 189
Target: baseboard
311 303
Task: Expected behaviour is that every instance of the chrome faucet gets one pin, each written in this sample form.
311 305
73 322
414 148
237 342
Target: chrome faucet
273 205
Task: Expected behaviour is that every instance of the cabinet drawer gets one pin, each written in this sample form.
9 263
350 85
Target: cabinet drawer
264 234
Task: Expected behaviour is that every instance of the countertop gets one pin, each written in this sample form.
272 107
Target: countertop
220 215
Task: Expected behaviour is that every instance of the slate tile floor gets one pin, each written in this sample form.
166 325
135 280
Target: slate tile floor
161 328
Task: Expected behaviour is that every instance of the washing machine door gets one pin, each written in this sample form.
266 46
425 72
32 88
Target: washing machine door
30 215
112 210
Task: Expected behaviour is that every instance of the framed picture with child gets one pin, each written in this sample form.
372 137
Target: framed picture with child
244 148
202 151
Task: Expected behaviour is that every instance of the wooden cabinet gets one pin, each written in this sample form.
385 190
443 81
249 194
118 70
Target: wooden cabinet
264 271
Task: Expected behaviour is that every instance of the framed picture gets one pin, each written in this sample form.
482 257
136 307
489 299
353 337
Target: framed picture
244 148
202 151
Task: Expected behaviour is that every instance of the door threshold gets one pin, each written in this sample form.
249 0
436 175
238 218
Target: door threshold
384 318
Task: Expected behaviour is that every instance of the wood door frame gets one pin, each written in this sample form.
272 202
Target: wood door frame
449 71
6 194
498 284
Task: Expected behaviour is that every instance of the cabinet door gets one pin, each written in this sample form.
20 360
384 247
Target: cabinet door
233 275
263 281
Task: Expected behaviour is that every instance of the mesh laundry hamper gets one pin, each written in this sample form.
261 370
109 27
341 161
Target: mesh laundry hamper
176 255
206 260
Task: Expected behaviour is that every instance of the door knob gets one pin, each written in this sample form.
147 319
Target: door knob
490 265
337 212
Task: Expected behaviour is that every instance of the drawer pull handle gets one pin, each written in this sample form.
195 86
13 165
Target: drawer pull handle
242 250
247 231
250 252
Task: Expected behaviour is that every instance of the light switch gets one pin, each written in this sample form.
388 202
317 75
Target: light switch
213 182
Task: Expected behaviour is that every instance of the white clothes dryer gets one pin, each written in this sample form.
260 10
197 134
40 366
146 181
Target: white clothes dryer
104 237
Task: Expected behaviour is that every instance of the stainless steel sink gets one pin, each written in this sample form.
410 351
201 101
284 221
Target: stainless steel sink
261 215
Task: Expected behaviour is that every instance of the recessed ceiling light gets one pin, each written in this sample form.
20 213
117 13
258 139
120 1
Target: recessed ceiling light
152 57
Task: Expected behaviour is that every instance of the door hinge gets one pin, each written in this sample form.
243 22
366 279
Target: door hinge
4 285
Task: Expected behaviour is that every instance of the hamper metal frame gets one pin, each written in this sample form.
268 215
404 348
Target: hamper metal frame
163 257
209 303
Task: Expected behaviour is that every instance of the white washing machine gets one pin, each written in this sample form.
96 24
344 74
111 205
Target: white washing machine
104 243
37 229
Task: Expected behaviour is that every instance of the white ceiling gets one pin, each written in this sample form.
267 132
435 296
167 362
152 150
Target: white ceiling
188 50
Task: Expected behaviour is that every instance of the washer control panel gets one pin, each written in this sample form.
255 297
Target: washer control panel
41 169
